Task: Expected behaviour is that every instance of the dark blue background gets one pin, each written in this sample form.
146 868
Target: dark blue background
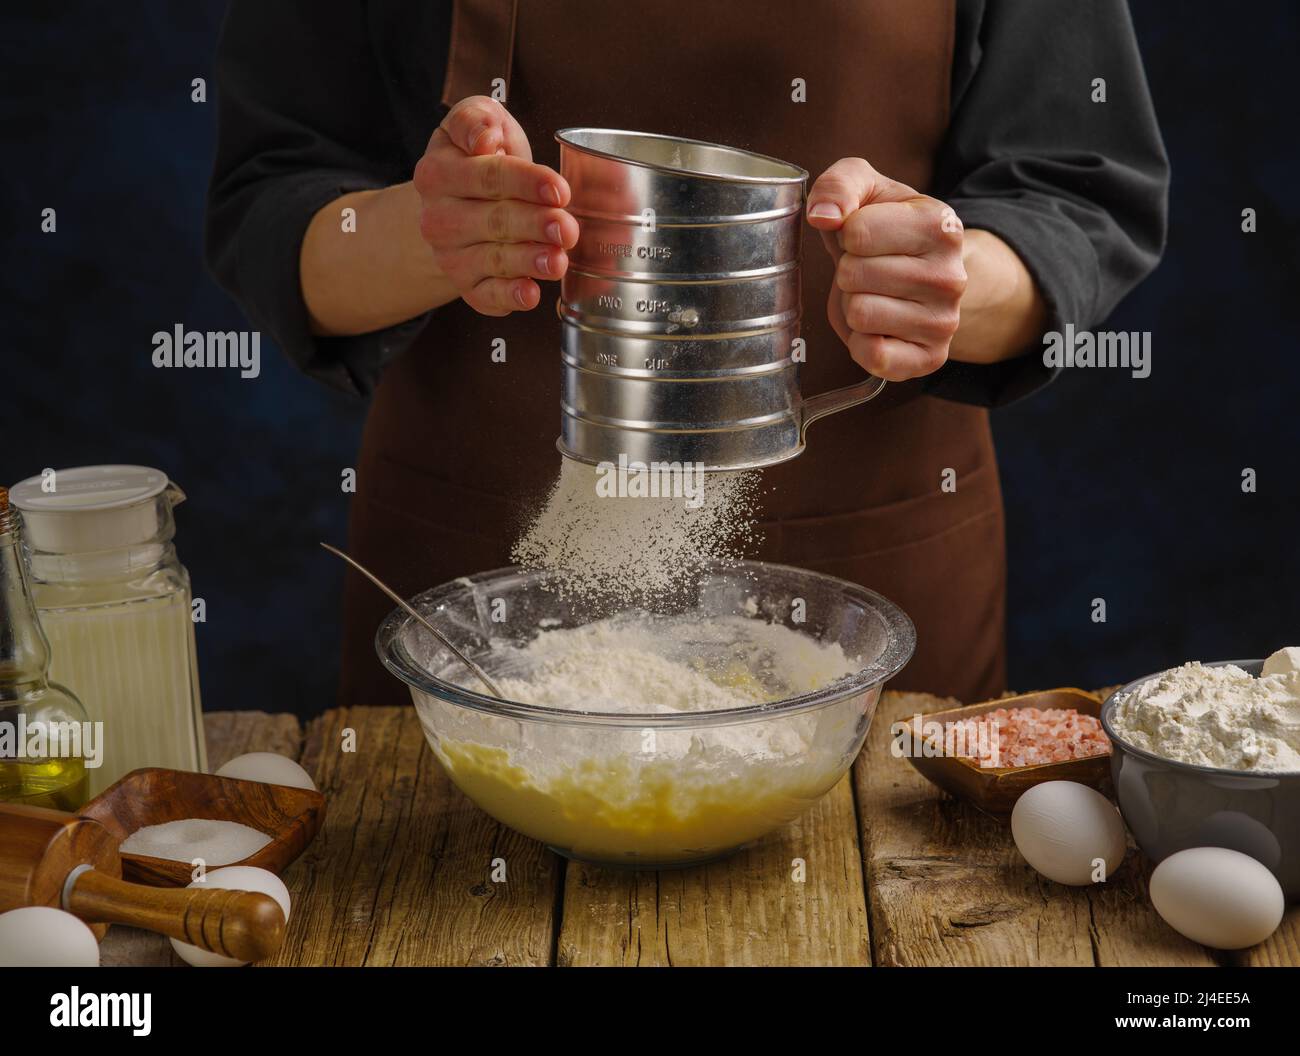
1128 490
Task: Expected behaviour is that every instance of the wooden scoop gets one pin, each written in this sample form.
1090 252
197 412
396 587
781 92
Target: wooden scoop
48 858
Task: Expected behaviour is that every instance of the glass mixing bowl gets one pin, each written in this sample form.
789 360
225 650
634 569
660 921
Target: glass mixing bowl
645 790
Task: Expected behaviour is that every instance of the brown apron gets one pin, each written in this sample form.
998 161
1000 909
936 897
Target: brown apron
457 447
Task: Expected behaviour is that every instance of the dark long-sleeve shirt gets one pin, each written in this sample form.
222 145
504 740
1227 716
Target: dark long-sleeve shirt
306 115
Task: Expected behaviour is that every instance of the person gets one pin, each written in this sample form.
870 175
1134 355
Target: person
378 209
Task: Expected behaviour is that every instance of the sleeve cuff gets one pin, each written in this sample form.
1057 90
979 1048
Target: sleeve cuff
1063 264
269 279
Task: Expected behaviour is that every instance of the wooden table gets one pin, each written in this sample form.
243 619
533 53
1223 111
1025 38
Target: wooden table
896 873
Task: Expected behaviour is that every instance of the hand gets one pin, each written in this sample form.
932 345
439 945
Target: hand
899 275
494 219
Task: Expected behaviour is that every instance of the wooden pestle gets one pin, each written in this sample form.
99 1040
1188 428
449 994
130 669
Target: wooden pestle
245 925
41 849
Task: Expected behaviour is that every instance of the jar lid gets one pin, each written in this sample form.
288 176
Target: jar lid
90 508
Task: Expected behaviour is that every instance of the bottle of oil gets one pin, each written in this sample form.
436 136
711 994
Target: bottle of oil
114 601
45 738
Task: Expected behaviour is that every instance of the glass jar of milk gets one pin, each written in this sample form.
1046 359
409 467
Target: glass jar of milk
115 604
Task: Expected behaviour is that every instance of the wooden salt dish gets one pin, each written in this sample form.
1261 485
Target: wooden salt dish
996 789
153 796
49 858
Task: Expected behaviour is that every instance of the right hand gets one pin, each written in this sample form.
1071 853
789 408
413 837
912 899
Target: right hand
494 219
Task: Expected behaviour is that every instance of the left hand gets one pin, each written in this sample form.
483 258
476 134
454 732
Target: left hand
899 275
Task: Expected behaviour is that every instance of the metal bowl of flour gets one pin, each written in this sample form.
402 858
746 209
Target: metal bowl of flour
648 789
1170 806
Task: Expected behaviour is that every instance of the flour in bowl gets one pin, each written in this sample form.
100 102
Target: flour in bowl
653 790
637 663
1218 716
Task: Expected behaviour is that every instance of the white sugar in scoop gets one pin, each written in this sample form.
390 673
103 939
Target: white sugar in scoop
216 842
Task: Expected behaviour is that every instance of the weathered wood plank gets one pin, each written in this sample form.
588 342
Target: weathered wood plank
401 875
946 885
232 733
401 872
229 733
1281 950
748 909
1126 930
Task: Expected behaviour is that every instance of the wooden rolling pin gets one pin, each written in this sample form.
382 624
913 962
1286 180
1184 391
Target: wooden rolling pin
49 858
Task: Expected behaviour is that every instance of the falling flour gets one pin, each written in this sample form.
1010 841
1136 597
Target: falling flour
216 842
618 550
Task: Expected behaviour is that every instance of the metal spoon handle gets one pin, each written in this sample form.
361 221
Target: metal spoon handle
478 671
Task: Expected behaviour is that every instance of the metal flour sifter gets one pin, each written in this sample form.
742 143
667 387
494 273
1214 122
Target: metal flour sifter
680 309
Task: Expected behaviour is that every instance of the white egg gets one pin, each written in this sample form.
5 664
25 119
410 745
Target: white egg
269 769
1065 829
45 937
233 878
1217 897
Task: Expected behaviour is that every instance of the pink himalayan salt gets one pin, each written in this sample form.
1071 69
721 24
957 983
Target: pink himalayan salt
1028 737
